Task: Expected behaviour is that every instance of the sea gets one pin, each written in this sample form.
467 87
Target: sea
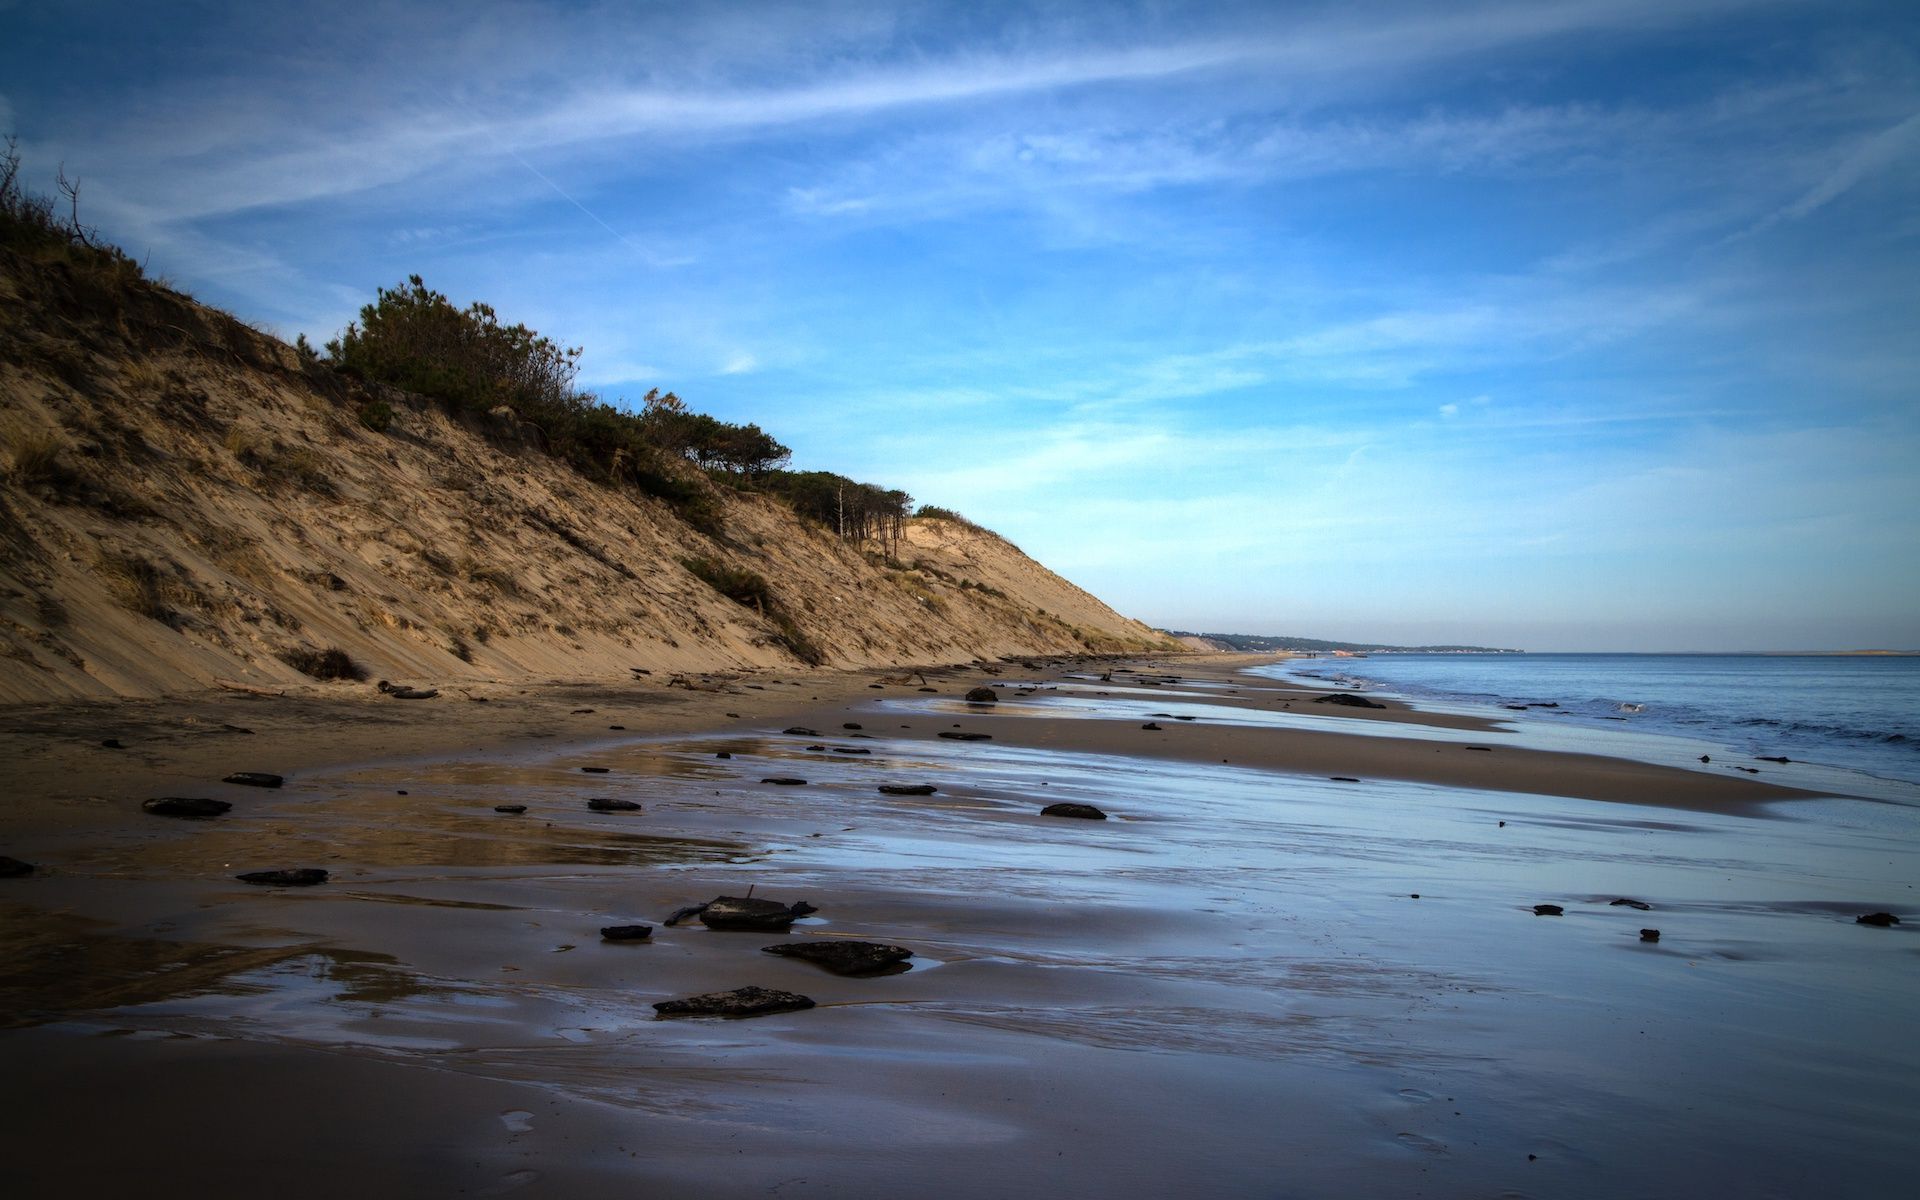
1858 713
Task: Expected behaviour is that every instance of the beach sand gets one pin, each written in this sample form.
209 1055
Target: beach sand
1228 988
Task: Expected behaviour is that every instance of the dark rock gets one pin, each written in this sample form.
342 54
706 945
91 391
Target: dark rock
1151 726
1623 902
844 957
1347 700
1779 758
603 804
934 690
112 744
801 731
852 725
1706 758
724 754
509 808
966 737
740 1002
1482 749
407 693
186 806
908 789
1413 895
1343 779
236 729
13 868
254 779
578 712
596 770
744 912
816 747
1084 811
626 933
295 877
851 750
983 695
1183 718
1649 935
1547 910
1882 919
617 728
1749 770
785 780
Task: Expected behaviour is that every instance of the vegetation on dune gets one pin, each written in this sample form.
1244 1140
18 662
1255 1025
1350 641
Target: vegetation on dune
33 224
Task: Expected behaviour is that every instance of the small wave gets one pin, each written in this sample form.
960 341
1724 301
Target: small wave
1633 708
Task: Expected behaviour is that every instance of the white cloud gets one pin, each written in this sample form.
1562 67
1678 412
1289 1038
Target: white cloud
739 363
1449 410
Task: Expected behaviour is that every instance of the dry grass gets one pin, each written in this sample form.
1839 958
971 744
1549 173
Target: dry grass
36 459
331 663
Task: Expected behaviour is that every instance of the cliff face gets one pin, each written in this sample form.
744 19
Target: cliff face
187 503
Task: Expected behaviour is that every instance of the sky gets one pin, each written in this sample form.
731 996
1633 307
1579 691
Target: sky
1556 324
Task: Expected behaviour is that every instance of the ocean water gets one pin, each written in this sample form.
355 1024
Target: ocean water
1855 712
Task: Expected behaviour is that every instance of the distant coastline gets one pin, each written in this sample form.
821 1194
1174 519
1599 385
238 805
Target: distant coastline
1255 642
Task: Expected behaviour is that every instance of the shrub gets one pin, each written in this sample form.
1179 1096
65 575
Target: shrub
331 663
376 415
735 583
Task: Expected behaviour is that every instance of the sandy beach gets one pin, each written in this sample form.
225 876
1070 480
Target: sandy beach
1252 979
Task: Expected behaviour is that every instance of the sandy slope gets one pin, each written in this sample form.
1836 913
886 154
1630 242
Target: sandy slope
202 502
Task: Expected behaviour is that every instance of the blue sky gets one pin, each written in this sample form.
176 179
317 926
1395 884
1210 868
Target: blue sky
1562 324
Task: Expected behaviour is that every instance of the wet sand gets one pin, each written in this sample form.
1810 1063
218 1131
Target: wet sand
1226 989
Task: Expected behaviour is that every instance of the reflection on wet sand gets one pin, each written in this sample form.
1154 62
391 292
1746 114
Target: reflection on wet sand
1120 1005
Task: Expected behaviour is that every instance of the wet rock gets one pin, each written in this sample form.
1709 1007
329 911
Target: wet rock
816 747
1623 902
407 693
1649 935
112 744
294 877
618 728
740 1002
596 770
603 804
1347 700
1779 758
1882 919
724 754
908 789
745 912
1152 726
852 725
1547 910
1085 812
844 957
785 780
934 690
254 779
236 729
186 806
983 695
1706 758
626 933
13 868
851 750
966 737
801 731
580 712
1482 749
509 808
1343 779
